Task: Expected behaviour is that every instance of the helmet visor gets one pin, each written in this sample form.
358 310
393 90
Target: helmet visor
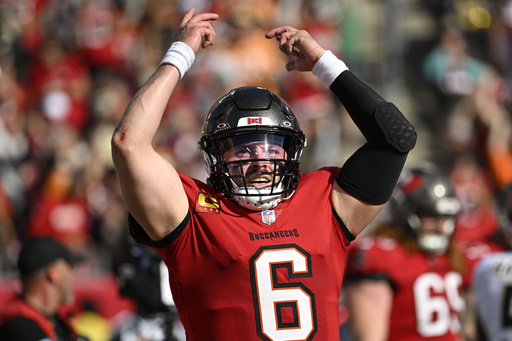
253 147
255 160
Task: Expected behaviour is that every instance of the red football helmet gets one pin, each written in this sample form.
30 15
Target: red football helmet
425 191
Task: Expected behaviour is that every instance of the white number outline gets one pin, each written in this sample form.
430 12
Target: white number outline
269 295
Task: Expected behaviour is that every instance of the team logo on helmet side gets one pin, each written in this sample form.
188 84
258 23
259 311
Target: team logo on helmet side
222 126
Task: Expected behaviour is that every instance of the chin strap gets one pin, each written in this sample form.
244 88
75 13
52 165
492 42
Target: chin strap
257 203
260 203
439 242
259 199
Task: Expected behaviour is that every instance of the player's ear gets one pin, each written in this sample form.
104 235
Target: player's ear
52 273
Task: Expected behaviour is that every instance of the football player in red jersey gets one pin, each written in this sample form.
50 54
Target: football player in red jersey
406 280
257 252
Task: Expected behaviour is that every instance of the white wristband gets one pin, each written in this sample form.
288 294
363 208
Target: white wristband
181 56
328 67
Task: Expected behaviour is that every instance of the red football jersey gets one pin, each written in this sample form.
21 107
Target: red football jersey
474 251
427 299
237 274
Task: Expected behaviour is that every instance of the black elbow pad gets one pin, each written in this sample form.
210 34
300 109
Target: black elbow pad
398 131
371 173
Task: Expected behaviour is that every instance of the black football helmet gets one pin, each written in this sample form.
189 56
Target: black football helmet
425 191
245 115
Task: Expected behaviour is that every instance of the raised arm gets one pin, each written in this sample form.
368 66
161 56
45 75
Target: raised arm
152 189
368 177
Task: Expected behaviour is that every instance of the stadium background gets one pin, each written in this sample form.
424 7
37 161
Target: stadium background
70 67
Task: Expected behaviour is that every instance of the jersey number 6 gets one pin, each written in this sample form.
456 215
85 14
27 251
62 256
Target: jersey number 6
285 310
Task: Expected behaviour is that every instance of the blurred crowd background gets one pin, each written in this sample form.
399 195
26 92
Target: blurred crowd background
70 67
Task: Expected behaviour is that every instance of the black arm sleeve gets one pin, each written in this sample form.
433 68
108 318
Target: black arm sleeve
371 173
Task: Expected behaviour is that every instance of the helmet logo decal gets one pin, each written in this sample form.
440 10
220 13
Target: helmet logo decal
268 216
222 126
207 204
249 121
411 183
254 120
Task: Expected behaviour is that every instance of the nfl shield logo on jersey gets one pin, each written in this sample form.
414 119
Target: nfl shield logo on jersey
268 217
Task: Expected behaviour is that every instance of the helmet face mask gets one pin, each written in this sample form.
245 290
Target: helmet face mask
252 145
254 160
436 242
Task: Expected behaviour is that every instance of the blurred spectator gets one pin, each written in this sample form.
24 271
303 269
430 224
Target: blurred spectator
107 35
455 76
497 141
13 149
245 59
60 84
46 273
477 220
61 210
451 68
469 90
500 40
8 235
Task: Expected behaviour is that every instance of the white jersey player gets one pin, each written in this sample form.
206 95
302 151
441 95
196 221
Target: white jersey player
492 287
492 282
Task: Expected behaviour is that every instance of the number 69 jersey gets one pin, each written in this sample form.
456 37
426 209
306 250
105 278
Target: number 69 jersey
427 300
246 275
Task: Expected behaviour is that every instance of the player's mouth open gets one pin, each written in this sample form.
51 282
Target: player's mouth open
260 181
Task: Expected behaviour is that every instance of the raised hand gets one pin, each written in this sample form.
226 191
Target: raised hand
196 29
299 44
